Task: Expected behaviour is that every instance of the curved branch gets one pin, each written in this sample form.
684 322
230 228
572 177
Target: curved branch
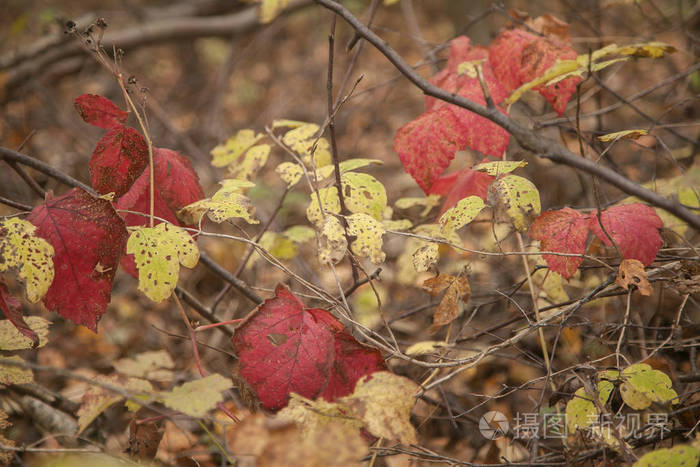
528 139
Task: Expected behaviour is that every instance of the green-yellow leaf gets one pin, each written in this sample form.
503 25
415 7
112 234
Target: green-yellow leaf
683 455
469 68
302 139
284 123
515 199
158 252
626 134
13 374
333 242
20 248
196 398
12 339
279 246
363 194
255 158
234 147
643 386
346 166
227 203
581 412
369 233
290 173
329 202
383 401
397 225
300 233
499 167
461 214
428 203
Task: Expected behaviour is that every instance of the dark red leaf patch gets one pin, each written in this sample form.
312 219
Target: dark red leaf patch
118 160
284 347
88 237
100 111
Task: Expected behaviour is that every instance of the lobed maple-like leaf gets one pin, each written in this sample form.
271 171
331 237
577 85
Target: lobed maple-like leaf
518 57
12 309
635 229
100 111
563 231
88 237
427 145
284 347
120 156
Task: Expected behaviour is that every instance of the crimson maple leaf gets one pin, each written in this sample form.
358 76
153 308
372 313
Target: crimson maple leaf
100 111
518 57
635 229
88 237
284 347
427 145
563 231
461 184
12 309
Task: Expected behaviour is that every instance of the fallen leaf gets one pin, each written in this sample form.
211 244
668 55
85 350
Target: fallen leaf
196 398
631 272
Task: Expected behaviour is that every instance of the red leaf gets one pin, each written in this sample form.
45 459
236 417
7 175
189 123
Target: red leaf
88 237
635 229
427 145
12 308
176 180
461 184
563 231
100 111
352 361
284 348
118 159
517 57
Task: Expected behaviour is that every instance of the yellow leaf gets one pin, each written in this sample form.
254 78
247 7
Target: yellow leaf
12 339
227 203
469 68
642 386
425 256
196 398
97 399
255 158
425 347
428 203
647 49
155 365
284 123
234 147
397 225
383 401
499 167
515 199
363 194
329 201
300 233
302 139
279 246
683 455
290 173
333 242
390 2
626 134
346 166
13 374
461 214
158 252
269 9
369 233
20 248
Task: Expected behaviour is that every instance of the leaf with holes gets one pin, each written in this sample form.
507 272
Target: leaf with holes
369 233
631 272
100 111
562 231
448 309
119 158
634 228
159 251
427 145
88 238
22 248
515 199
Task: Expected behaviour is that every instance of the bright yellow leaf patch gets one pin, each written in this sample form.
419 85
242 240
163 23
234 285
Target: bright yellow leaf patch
158 252
234 147
196 398
33 256
499 167
290 173
515 199
461 214
369 233
227 203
